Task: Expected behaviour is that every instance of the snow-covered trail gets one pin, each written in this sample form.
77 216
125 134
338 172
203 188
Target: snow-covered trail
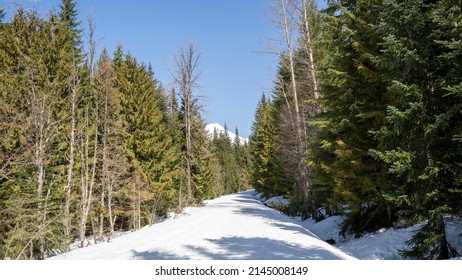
236 226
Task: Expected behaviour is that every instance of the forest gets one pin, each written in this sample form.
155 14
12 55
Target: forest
92 144
365 117
364 120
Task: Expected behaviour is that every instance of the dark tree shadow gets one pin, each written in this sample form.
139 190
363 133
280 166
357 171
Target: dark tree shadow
156 255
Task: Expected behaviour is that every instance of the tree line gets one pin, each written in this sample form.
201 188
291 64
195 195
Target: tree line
365 116
92 143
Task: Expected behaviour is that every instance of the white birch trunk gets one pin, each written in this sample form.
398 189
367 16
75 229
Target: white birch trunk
70 169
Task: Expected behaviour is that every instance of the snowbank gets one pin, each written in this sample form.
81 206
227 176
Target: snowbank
277 202
383 244
327 229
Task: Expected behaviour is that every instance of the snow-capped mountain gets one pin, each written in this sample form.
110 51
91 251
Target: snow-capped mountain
211 128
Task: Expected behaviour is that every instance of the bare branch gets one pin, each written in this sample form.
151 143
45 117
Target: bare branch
186 78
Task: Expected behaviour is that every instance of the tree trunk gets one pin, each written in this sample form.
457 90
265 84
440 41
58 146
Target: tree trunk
302 181
444 253
70 169
105 167
88 176
187 61
307 35
291 64
40 113
109 209
188 158
138 208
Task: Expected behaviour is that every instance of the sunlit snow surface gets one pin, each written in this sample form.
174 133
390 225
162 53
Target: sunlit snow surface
240 226
230 227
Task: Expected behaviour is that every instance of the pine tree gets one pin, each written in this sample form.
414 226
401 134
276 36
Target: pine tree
223 149
240 154
70 28
262 144
205 166
30 57
414 143
287 175
446 17
354 104
153 152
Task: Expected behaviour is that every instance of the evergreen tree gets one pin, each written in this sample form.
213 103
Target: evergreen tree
415 145
154 154
240 154
87 148
262 145
205 164
30 60
354 104
223 148
69 25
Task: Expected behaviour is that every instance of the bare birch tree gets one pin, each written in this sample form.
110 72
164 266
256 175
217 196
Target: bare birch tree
112 132
74 90
306 10
88 168
294 19
87 130
186 78
44 128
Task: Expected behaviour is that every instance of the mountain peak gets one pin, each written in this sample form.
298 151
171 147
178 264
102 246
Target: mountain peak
212 127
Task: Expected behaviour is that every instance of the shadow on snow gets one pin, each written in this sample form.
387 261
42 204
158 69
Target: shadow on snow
240 248
251 248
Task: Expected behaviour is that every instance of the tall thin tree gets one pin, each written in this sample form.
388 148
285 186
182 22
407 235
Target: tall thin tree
186 78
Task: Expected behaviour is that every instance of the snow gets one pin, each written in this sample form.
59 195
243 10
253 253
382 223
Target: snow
327 229
237 226
242 227
383 244
454 232
277 201
211 128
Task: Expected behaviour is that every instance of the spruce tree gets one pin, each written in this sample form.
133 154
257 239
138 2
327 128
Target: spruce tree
240 155
205 164
223 147
414 141
70 26
262 145
30 57
153 153
354 103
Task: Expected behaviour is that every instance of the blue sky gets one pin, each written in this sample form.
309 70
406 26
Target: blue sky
229 32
